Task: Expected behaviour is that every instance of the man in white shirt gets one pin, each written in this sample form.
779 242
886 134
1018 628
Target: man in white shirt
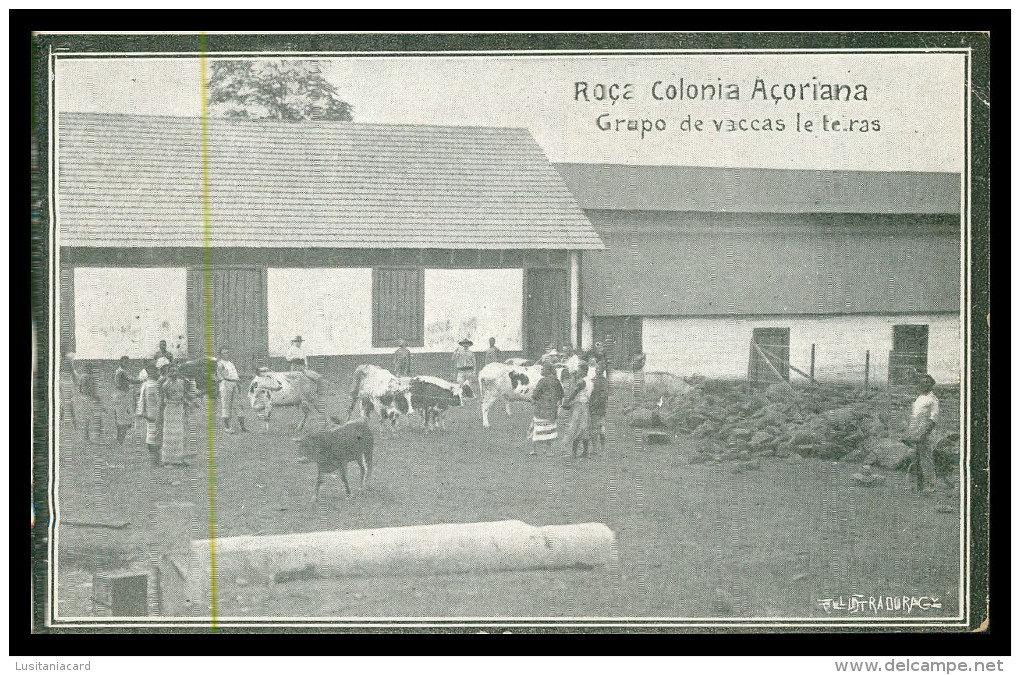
296 354
230 398
924 414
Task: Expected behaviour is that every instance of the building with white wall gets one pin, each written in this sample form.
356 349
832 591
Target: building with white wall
862 267
353 236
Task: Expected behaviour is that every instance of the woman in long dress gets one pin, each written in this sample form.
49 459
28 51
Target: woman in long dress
178 396
150 408
579 420
546 398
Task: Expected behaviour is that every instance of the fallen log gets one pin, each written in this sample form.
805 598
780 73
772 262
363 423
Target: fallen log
416 550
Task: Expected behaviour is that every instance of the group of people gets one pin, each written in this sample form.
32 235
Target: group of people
465 363
584 404
165 398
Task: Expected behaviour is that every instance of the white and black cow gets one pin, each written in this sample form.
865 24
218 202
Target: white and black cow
375 388
294 387
432 395
515 383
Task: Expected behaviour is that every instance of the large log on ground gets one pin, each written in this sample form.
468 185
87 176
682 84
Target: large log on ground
416 550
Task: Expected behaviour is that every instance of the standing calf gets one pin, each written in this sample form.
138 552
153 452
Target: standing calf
433 395
335 447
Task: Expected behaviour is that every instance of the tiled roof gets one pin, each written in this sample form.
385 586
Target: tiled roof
136 181
706 189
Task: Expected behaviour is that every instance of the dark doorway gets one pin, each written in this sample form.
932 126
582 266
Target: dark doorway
909 355
238 314
770 354
547 310
621 336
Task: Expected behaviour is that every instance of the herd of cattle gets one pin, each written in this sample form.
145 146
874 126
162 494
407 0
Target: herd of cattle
376 389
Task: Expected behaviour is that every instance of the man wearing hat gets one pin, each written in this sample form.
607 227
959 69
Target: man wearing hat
296 355
464 361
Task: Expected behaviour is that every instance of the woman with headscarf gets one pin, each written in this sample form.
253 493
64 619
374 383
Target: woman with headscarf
546 397
178 396
150 408
123 399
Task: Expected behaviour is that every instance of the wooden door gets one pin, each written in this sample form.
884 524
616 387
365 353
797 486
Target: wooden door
621 336
909 355
547 310
774 345
238 317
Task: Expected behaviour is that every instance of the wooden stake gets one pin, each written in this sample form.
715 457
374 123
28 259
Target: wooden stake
867 367
812 363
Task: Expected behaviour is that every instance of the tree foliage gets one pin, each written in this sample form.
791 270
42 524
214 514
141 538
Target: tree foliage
277 90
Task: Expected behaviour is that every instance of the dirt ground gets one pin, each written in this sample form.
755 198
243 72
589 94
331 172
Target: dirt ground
694 540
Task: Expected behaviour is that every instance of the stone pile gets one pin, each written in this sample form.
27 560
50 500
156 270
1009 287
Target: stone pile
827 422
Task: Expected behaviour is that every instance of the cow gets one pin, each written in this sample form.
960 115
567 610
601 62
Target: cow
433 395
293 387
335 447
515 383
375 388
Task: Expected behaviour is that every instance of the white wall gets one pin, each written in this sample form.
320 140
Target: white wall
474 304
587 341
719 347
331 308
126 311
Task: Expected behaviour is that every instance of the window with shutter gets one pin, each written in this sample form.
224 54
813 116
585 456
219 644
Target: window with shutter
398 306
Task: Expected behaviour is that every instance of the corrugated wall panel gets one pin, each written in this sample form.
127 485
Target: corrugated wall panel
698 264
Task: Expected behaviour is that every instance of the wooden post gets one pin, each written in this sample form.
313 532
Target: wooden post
867 367
812 363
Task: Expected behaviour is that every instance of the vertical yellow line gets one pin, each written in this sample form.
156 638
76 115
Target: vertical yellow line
207 282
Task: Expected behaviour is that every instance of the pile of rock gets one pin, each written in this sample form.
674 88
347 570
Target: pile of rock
829 422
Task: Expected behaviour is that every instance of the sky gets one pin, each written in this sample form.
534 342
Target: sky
916 99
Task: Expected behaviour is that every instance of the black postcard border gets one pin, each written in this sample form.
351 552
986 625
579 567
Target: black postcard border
992 557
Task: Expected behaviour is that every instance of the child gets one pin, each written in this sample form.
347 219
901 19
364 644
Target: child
265 385
546 397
